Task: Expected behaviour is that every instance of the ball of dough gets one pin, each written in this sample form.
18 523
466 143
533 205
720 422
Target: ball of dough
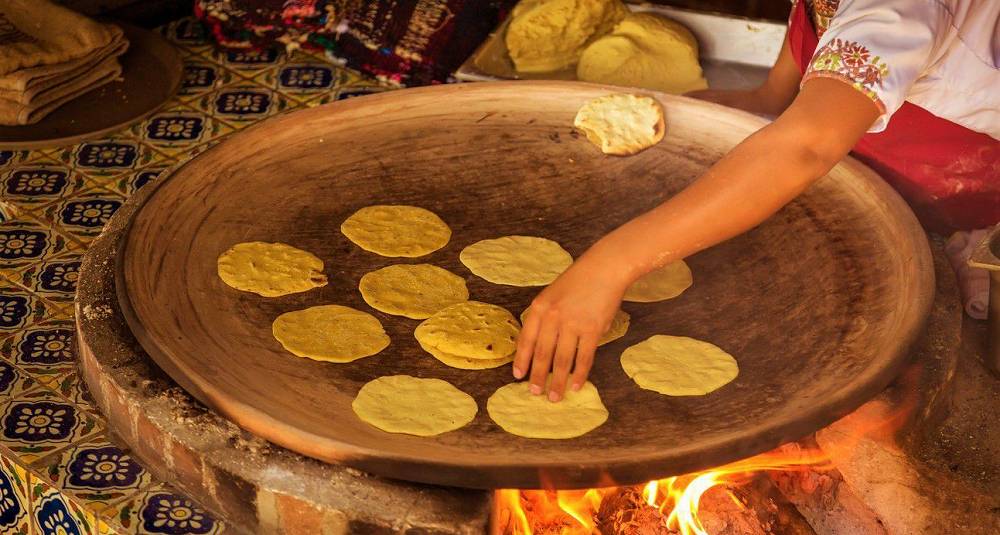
549 35
647 51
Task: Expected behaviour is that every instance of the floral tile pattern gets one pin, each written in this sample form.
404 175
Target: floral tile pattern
44 350
26 240
15 499
20 308
162 510
55 514
39 422
55 278
53 202
177 130
96 473
82 218
37 183
13 381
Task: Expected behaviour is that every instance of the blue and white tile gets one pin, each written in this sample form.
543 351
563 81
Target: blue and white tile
95 472
54 278
54 513
164 511
103 159
129 183
202 77
34 184
44 350
20 309
190 35
26 240
176 131
39 422
243 104
248 63
82 218
15 499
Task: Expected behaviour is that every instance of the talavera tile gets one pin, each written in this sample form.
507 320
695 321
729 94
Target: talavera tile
38 422
162 510
15 499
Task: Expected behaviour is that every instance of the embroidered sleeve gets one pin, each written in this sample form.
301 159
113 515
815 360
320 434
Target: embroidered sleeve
879 47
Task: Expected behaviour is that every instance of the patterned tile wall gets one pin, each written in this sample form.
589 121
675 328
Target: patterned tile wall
60 473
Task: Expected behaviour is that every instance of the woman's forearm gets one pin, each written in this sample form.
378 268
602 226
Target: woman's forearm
751 183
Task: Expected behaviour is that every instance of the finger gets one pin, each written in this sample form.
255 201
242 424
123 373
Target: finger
561 364
541 361
526 344
584 360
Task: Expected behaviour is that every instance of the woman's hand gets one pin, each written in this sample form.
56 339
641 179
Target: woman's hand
565 322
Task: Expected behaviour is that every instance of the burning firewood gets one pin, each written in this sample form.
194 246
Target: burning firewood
625 512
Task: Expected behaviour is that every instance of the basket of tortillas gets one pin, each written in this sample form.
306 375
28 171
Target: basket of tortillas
600 41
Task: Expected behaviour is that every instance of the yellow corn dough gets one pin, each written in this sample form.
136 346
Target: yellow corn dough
549 35
644 50
414 406
396 230
413 290
519 412
270 269
678 366
617 329
516 260
622 124
331 333
471 330
661 284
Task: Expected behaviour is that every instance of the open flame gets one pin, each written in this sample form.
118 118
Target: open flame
575 512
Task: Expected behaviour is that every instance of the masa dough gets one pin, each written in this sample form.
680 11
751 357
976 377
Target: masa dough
463 363
621 123
549 35
472 330
519 412
413 290
270 269
331 333
617 329
396 230
678 366
516 260
644 50
414 406
660 284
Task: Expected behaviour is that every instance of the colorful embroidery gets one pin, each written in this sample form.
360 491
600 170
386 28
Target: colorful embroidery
853 63
821 13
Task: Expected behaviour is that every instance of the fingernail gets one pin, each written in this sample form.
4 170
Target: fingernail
576 387
535 389
553 396
518 373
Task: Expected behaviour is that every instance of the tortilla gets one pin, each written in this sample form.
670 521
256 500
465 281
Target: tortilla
622 124
679 366
270 269
330 333
660 284
396 230
617 329
472 330
414 406
463 363
413 290
519 412
516 260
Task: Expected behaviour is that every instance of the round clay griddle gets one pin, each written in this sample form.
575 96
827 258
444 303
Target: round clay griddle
818 304
151 74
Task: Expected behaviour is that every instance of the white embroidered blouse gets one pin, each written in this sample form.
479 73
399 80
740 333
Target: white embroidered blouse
941 55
